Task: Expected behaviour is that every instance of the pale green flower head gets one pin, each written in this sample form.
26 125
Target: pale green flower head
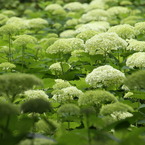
67 94
95 4
104 42
105 76
115 107
119 115
68 110
95 15
56 68
24 40
5 49
9 29
3 19
136 45
96 98
85 35
136 60
7 66
9 13
53 7
140 28
60 84
77 53
68 34
19 22
65 46
32 94
132 20
71 22
74 6
118 11
99 26
124 31
37 23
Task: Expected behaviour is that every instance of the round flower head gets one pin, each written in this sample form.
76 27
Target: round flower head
65 46
96 4
71 22
105 76
117 11
7 66
136 60
77 53
104 42
37 105
74 6
9 13
136 45
67 94
136 81
24 40
94 26
125 31
119 115
95 15
140 28
31 94
19 22
56 68
5 49
37 23
68 112
85 35
53 7
96 98
115 107
68 34
9 29
60 84
3 19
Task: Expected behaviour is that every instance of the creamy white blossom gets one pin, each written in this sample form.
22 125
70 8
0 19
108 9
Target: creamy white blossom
136 60
136 45
104 42
124 31
32 94
105 76
140 28
7 65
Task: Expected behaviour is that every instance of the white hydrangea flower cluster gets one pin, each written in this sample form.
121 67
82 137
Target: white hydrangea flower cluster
99 26
67 94
3 19
118 10
37 23
7 66
21 23
124 31
77 53
60 84
104 42
71 22
5 49
9 13
56 67
24 40
85 35
74 6
105 76
96 4
136 60
118 115
95 15
136 45
32 94
140 28
65 46
68 34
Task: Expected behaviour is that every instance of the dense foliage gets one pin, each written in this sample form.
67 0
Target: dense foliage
72 72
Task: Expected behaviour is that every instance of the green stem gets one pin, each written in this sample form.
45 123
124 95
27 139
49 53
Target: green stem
10 52
23 56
